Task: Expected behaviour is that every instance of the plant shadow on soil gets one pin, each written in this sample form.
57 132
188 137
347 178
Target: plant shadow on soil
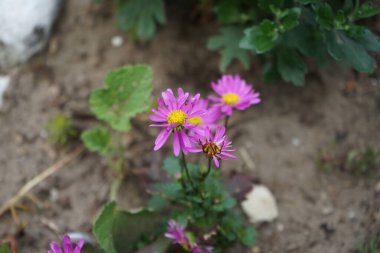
277 141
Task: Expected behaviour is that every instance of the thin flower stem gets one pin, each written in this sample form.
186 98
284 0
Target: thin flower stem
184 163
204 176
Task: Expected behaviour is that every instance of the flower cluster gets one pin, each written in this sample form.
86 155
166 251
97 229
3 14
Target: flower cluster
193 121
67 246
177 234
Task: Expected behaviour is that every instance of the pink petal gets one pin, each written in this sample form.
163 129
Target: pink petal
79 246
67 245
55 247
176 144
161 139
216 161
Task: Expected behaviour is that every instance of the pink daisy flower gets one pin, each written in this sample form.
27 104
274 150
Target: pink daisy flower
67 246
177 234
207 119
234 93
214 146
172 116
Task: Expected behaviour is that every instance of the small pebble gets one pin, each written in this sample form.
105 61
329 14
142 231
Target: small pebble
280 227
4 82
327 210
377 187
296 142
117 41
351 215
54 195
255 249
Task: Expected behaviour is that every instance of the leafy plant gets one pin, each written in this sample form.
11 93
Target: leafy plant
61 129
283 32
126 93
371 246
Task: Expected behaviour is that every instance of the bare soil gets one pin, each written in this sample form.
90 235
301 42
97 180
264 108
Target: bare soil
278 141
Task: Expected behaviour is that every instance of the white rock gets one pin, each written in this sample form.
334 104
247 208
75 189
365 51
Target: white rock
296 142
260 205
4 82
117 41
24 28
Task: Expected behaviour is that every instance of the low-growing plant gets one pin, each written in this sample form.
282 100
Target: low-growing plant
357 161
284 33
61 130
126 93
370 246
190 209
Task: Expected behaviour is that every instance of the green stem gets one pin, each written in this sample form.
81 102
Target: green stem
204 176
184 164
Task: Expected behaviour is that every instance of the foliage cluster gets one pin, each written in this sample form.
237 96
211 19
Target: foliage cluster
284 32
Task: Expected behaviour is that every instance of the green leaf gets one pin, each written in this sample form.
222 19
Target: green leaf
270 4
140 16
291 67
260 38
271 74
170 189
229 203
325 16
228 12
249 237
98 140
120 231
228 45
5 249
103 227
307 1
366 10
348 51
157 203
125 94
290 19
369 41
172 166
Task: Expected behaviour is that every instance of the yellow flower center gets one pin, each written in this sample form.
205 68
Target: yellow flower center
177 117
196 121
211 149
230 98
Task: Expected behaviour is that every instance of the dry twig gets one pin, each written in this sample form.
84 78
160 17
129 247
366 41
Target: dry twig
39 178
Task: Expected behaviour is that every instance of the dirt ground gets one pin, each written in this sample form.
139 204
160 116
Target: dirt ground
278 141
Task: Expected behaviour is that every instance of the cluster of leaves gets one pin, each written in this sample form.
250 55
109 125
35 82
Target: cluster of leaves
284 32
356 161
126 93
205 208
61 130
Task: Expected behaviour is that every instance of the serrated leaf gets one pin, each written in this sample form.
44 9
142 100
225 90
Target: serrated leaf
120 231
290 18
98 140
125 94
228 45
366 10
172 166
140 16
291 66
248 237
260 38
346 50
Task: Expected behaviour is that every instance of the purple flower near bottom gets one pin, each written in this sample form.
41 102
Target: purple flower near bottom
214 146
67 246
177 234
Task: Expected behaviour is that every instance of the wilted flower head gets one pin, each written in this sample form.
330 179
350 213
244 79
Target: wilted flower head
67 246
234 93
214 146
176 233
172 116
